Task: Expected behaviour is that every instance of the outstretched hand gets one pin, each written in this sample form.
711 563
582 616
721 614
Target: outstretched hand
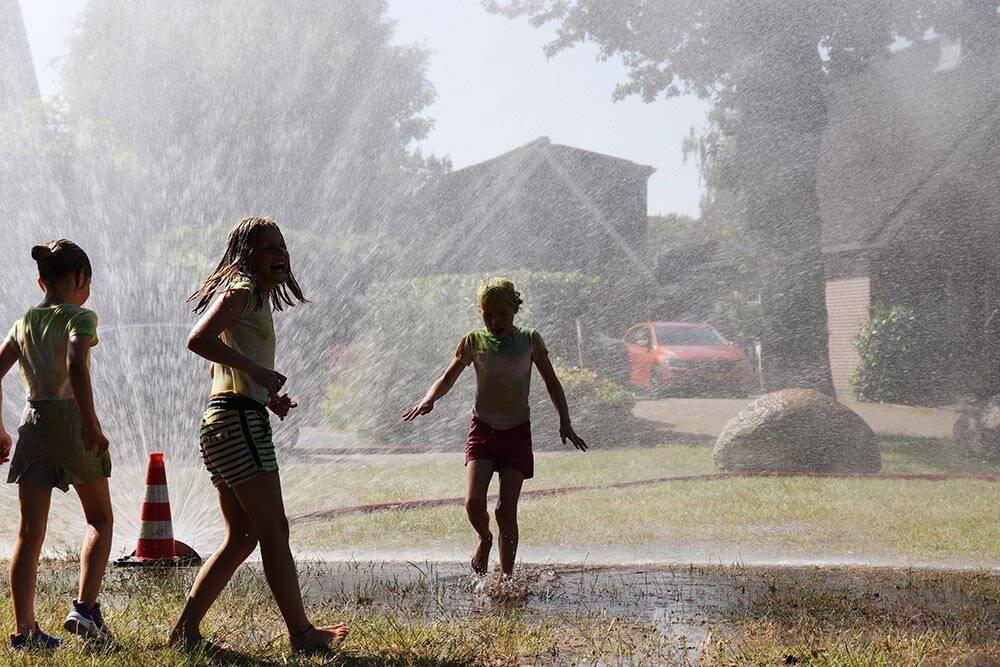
5 446
421 408
281 405
566 432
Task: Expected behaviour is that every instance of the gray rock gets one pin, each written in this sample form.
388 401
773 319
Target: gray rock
977 431
797 430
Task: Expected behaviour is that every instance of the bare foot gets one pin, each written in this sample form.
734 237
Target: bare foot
481 556
191 641
320 638
184 638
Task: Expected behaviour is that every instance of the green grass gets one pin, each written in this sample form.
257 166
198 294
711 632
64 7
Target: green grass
953 520
950 522
944 521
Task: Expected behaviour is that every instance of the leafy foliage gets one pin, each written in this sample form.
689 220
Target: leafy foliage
301 110
894 357
766 67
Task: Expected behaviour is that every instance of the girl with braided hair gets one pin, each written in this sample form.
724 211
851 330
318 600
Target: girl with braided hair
500 435
60 441
236 334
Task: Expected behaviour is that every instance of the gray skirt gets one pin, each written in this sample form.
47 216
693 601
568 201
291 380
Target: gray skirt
50 451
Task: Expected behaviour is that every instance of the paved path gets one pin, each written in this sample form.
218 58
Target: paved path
708 416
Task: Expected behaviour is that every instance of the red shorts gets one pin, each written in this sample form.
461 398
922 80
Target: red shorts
507 448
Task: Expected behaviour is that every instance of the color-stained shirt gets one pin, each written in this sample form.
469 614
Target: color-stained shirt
503 373
41 339
252 335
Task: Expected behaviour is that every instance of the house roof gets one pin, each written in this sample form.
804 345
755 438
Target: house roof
898 135
479 195
543 147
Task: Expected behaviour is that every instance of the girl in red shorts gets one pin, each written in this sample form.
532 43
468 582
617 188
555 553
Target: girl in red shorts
500 434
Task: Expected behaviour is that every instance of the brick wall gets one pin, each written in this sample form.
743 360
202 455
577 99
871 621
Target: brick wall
847 310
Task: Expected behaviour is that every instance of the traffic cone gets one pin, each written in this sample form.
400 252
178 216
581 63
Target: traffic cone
156 544
156 532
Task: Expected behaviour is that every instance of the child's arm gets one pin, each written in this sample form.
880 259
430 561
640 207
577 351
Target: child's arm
441 387
79 379
558 396
205 342
8 357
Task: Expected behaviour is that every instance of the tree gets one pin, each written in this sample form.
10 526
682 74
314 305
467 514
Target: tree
765 66
302 110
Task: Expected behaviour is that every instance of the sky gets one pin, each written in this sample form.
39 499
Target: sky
496 90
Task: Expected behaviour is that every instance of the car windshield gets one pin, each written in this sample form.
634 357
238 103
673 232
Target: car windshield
672 335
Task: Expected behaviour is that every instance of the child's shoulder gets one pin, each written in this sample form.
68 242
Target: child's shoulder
74 311
241 282
60 311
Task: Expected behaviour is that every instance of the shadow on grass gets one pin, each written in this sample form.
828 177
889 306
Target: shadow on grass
910 452
633 433
959 610
377 661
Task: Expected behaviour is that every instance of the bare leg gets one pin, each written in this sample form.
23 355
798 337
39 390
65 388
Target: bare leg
506 513
96 501
478 473
34 501
261 499
239 543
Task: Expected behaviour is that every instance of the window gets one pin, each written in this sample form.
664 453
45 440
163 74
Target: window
638 336
690 336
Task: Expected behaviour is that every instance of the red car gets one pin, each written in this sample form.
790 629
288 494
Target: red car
685 357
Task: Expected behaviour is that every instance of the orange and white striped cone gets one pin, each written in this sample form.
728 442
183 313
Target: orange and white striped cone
156 531
156 544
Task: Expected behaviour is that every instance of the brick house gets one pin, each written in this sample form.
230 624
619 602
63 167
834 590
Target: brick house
909 190
545 207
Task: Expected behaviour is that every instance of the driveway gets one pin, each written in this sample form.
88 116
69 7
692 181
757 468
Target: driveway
708 416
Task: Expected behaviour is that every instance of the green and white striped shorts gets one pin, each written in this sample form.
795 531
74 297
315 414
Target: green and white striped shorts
236 440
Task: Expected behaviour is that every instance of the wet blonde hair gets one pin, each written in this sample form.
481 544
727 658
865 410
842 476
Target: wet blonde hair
499 288
236 263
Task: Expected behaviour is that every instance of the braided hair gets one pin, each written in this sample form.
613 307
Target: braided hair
59 260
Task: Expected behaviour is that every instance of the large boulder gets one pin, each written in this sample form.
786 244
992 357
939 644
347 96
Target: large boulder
977 431
797 430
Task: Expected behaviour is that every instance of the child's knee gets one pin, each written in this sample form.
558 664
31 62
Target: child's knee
475 506
103 524
243 541
31 532
506 514
272 528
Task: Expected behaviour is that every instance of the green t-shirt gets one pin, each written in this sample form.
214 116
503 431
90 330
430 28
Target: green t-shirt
503 373
252 335
41 339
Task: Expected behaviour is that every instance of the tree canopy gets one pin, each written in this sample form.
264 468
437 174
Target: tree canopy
765 65
307 111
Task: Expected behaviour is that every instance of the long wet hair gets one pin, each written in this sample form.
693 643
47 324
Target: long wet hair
60 260
499 288
235 265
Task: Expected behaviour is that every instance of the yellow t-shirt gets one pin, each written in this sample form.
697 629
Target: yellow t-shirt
41 339
503 373
252 335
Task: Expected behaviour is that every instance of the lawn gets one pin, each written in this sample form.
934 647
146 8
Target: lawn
853 520
951 522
